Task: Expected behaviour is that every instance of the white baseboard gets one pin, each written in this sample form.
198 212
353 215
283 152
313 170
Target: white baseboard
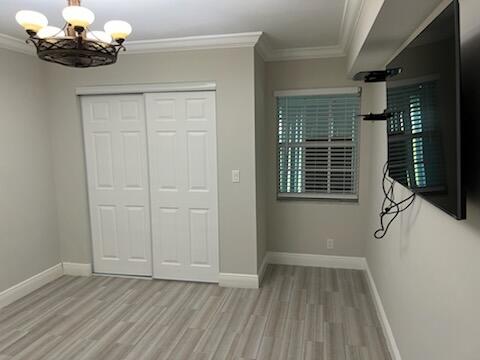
77 269
149 278
238 280
253 281
263 268
387 330
328 261
31 284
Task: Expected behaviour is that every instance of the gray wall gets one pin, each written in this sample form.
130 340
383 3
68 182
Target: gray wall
28 231
260 163
427 268
233 71
300 226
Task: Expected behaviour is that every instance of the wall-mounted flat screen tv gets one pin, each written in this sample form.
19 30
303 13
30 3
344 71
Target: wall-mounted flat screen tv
424 126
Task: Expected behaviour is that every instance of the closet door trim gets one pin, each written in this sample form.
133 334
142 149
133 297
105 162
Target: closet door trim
146 88
143 90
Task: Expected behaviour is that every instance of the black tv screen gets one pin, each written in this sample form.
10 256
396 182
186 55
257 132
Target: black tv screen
424 124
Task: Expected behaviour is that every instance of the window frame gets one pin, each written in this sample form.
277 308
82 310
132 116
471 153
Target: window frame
317 196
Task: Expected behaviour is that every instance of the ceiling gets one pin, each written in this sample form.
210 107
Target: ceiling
384 40
287 24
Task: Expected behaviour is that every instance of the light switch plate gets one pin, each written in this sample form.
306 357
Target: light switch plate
235 176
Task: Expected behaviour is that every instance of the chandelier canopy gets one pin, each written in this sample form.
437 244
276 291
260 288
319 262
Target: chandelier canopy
74 44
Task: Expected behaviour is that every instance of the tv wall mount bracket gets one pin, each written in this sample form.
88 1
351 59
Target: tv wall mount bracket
377 75
376 117
373 77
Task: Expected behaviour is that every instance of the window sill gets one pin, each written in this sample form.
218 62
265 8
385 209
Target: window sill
320 197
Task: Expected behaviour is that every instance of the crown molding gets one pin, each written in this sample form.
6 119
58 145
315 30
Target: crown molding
351 14
320 52
10 43
263 48
223 41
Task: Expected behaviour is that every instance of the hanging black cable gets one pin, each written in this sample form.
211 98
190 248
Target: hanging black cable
389 206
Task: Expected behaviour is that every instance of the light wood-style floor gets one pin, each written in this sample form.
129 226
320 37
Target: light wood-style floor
299 313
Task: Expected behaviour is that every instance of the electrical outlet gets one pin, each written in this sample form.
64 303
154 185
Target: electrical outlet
330 244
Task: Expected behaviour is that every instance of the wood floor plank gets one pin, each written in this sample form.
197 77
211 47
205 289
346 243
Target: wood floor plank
211 338
298 313
335 347
266 348
314 350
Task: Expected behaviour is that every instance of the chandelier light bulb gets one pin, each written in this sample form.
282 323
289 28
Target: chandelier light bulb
50 32
118 29
31 21
99 36
78 16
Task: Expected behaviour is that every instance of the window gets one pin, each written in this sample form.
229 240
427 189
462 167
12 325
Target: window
318 143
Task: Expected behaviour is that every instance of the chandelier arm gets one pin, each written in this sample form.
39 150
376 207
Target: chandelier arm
64 29
118 48
34 41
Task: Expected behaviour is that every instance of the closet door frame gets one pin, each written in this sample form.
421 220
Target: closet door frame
143 89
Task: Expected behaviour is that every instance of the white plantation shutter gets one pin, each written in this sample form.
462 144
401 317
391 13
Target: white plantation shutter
318 143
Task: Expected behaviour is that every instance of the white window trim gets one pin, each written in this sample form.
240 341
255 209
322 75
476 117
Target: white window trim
321 196
321 91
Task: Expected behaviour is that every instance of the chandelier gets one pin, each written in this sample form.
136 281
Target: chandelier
74 44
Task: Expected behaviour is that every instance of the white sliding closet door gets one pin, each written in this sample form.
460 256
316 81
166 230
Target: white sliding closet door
117 168
183 185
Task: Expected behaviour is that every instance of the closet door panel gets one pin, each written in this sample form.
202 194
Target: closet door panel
170 249
132 143
103 158
138 236
197 157
118 186
107 232
164 161
183 167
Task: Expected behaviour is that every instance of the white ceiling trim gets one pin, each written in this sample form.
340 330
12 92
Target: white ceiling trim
14 44
223 41
350 18
194 43
269 54
351 15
